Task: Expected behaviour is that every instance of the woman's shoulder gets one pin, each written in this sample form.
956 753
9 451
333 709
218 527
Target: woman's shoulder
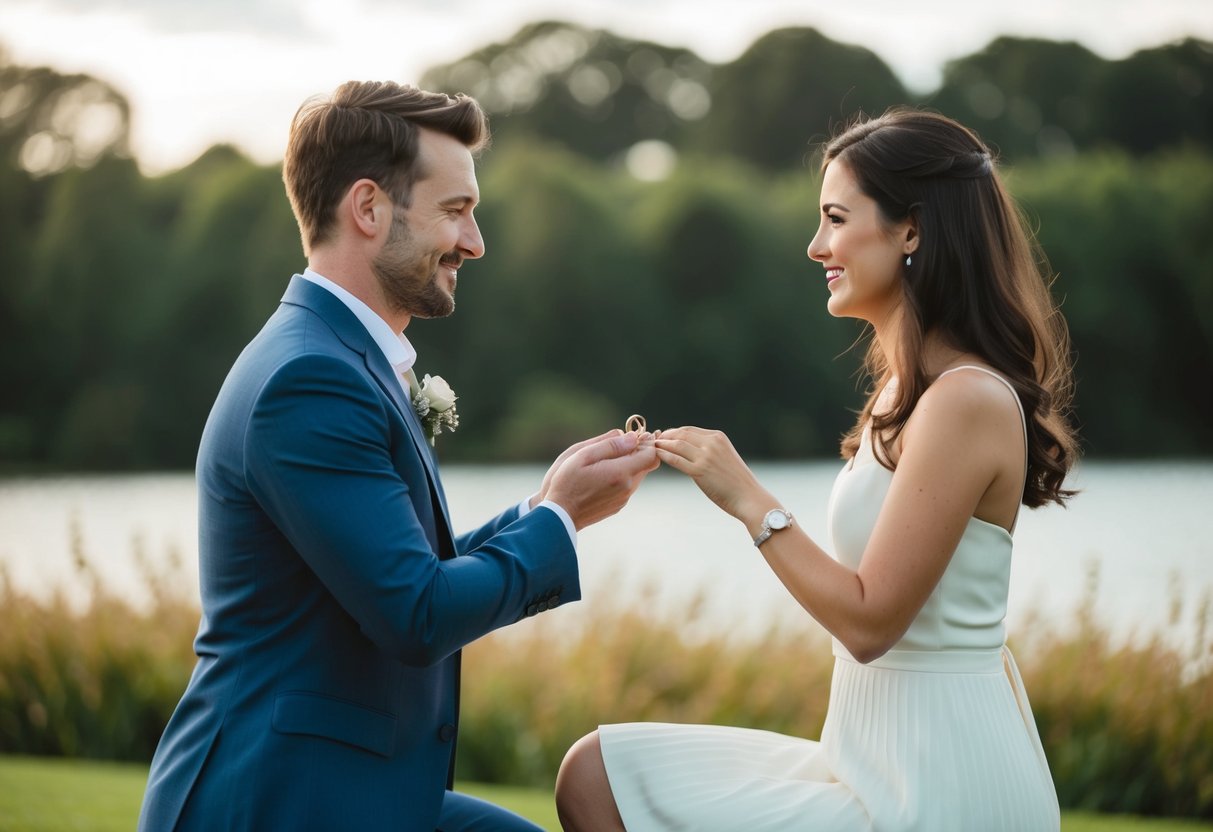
967 398
971 379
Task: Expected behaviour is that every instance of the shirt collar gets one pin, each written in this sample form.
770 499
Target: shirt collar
394 345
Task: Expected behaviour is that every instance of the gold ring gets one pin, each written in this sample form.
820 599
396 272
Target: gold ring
635 422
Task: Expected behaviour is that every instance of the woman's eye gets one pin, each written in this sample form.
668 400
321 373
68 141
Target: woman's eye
834 219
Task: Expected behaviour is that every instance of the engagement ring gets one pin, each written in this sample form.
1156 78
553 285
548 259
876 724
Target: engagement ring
635 422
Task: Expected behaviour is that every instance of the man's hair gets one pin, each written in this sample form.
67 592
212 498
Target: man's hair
367 130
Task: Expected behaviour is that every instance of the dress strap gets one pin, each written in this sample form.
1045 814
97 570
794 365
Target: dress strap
1023 421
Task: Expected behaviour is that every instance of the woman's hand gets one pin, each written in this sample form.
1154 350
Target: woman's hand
709 458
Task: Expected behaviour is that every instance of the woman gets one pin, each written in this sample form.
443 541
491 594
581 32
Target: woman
928 725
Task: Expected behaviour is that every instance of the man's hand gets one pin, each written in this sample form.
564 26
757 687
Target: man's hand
594 479
565 454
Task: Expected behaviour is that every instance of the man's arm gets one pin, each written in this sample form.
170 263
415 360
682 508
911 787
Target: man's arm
319 462
469 540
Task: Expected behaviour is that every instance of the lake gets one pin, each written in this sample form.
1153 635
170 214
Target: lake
1142 531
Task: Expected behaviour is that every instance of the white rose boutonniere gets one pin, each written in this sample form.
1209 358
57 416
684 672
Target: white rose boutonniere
435 406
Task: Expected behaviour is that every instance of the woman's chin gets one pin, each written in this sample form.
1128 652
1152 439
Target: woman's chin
837 307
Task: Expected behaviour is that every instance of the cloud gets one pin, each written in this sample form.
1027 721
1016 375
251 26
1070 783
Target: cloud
274 18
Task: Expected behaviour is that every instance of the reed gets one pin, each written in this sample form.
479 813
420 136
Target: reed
96 680
532 691
1127 725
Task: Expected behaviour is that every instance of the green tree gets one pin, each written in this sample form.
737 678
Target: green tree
1134 269
786 91
233 247
124 299
746 344
21 199
50 122
1157 98
1024 96
1031 97
92 264
589 90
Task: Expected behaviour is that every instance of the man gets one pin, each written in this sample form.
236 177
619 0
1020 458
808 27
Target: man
335 595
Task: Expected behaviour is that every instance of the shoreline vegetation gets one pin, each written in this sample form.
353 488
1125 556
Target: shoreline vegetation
661 201
1127 727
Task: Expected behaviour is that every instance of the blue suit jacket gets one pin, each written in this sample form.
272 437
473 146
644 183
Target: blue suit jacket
335 597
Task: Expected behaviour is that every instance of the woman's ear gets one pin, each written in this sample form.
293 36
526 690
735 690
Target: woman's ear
911 238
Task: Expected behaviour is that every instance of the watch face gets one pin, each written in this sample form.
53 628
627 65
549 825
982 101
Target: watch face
777 519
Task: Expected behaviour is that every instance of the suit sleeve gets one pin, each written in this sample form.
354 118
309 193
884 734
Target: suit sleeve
319 462
468 541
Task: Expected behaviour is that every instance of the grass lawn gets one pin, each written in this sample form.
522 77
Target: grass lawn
54 795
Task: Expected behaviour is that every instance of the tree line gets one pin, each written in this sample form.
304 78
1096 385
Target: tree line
125 298
597 94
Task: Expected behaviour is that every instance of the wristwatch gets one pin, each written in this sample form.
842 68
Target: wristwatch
776 519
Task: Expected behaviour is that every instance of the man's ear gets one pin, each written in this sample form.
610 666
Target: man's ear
366 207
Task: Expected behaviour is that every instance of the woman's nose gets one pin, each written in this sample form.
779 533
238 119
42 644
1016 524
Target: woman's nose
817 248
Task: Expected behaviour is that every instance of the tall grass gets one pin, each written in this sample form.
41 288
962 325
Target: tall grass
1127 726
98 680
530 693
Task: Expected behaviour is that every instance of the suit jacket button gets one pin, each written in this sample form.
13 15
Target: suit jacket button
543 606
553 601
532 609
447 732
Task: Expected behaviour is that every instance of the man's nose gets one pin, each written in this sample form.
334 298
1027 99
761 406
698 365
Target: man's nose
470 242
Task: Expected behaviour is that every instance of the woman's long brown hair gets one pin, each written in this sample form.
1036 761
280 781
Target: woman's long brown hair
977 281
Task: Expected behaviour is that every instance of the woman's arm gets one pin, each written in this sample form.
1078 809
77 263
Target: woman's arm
953 448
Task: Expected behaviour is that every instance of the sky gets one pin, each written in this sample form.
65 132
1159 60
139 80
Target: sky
200 72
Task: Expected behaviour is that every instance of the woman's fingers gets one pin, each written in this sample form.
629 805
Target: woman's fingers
688 440
678 463
684 432
695 451
678 454
677 447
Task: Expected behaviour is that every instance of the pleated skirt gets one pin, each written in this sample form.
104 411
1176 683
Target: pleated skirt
933 742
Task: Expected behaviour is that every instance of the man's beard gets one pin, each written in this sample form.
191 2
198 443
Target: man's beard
409 278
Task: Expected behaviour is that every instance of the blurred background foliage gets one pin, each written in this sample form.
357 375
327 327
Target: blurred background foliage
646 214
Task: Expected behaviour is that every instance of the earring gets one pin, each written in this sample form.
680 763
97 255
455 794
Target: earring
907 259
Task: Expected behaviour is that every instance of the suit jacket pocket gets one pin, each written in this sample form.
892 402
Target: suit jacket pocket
317 715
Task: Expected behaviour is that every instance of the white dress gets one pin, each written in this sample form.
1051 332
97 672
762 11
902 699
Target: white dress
935 735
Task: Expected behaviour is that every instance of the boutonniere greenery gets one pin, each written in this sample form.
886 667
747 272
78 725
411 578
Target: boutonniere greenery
434 402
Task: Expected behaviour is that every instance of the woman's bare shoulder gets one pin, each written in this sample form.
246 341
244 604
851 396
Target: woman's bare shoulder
966 403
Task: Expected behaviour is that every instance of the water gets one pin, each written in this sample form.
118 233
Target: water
1146 527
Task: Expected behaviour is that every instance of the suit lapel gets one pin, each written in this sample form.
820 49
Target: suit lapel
386 376
353 334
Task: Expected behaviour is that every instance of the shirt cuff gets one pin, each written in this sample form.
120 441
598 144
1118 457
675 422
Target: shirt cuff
524 508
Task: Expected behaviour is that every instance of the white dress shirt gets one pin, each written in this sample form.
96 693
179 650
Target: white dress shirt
402 356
